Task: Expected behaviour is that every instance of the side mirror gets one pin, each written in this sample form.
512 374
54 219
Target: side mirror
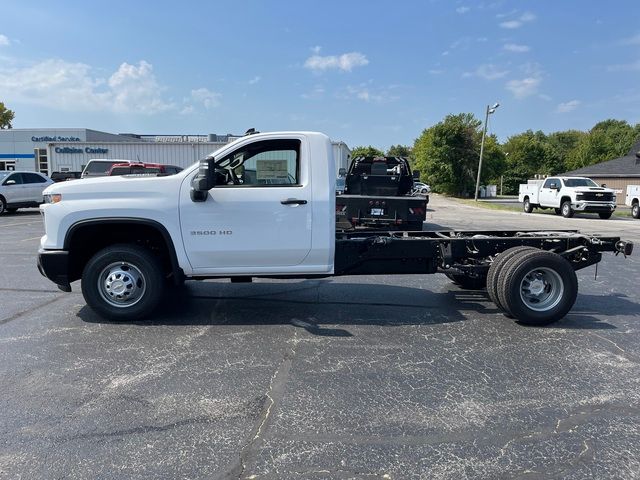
10 182
416 174
553 186
342 172
203 181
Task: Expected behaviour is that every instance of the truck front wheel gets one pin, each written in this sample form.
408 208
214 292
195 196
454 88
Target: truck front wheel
635 210
605 215
538 287
567 211
123 282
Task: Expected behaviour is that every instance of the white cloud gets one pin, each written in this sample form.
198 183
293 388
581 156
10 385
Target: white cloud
4 40
135 89
569 106
71 86
519 21
625 67
487 71
635 40
317 92
205 96
255 80
368 93
187 110
345 62
524 87
462 10
316 49
515 48
436 71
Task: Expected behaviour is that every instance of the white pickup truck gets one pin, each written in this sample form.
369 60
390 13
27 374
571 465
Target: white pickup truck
568 195
265 206
633 200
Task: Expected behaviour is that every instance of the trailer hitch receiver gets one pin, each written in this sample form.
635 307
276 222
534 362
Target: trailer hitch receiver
625 248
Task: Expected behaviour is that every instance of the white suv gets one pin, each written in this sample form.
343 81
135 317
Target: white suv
21 190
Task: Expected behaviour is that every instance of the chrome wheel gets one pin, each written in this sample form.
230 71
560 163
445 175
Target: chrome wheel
541 289
121 284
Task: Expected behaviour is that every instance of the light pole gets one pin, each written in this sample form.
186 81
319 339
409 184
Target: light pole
490 110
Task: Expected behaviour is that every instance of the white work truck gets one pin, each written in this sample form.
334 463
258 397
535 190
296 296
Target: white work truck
264 206
633 200
568 195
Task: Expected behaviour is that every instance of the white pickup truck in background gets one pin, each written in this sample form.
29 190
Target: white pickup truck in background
633 200
568 195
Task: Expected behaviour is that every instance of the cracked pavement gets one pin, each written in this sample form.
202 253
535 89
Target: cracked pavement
355 377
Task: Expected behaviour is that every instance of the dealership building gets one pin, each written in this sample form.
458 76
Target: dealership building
70 149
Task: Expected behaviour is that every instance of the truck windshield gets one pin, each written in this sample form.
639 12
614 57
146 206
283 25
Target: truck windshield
580 182
99 167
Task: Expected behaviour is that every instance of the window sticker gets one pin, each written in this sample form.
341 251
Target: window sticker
272 170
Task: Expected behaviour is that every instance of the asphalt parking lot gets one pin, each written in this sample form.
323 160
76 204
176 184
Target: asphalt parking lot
354 377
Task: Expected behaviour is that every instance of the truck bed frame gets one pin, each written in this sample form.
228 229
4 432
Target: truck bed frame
461 252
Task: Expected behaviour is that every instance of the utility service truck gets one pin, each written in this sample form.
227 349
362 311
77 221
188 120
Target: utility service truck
633 200
133 240
568 195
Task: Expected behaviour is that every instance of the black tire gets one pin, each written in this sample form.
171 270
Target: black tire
123 282
550 280
567 211
3 206
12 210
467 282
558 211
635 210
605 215
496 267
526 206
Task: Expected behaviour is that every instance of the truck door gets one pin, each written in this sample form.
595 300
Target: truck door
261 218
549 196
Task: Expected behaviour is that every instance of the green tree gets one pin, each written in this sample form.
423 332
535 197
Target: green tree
528 154
367 151
447 155
561 145
6 117
399 151
606 140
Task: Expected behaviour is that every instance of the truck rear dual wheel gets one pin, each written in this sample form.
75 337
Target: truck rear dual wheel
635 210
537 287
497 267
526 206
123 282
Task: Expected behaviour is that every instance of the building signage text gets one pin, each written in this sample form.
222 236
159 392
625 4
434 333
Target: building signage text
47 138
181 138
81 150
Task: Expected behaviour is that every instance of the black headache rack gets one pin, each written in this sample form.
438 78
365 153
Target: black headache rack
469 253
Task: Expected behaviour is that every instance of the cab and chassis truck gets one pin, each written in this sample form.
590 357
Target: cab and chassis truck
134 240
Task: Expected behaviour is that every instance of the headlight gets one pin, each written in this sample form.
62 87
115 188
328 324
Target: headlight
580 196
615 199
53 198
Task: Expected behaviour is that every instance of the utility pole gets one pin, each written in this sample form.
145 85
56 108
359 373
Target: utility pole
489 111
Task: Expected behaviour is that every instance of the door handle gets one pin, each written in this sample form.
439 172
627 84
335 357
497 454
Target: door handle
293 201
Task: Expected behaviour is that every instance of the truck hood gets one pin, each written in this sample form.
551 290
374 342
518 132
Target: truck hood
593 189
105 187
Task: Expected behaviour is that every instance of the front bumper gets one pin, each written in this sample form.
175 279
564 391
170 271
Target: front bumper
593 207
54 264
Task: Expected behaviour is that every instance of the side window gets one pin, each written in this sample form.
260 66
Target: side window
32 178
549 181
265 163
16 177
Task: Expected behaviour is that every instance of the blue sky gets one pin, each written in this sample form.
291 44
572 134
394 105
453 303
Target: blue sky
366 72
